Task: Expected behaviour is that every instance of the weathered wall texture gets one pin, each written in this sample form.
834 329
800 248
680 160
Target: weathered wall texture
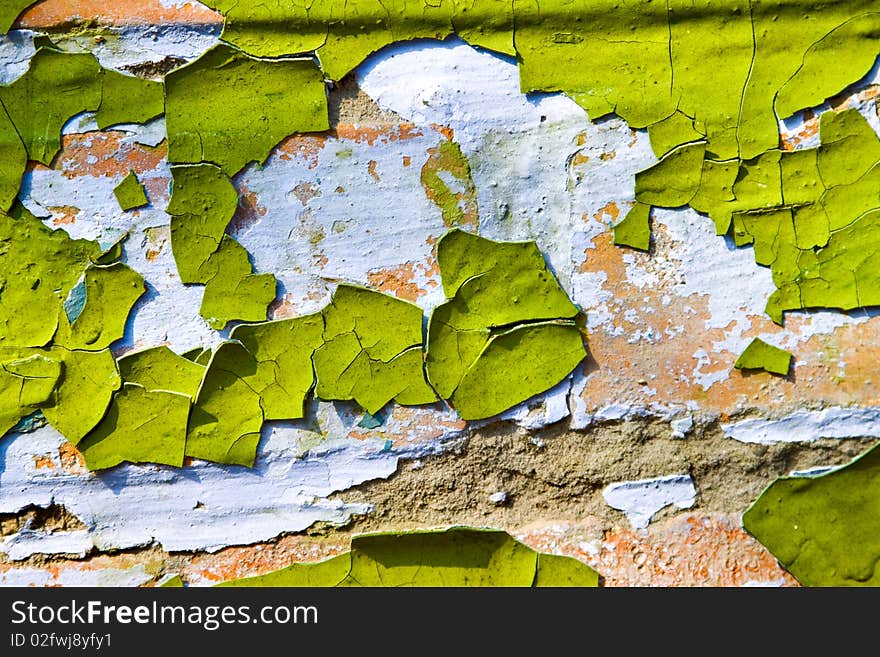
640 463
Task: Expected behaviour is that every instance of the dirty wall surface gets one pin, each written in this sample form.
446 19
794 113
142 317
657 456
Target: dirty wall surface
594 276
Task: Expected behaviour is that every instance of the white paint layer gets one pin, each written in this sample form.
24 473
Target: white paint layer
641 500
26 542
807 426
76 577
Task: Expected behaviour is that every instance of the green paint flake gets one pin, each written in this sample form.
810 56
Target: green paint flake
111 293
850 148
446 178
823 529
626 46
454 557
27 380
282 353
203 200
170 581
852 46
516 365
38 268
371 351
130 193
811 214
784 34
709 88
230 109
56 87
127 99
674 180
226 419
13 160
141 426
81 398
672 132
232 290
160 369
762 356
558 571
635 228
202 203
648 61
459 556
11 10
112 253
345 32
715 195
504 305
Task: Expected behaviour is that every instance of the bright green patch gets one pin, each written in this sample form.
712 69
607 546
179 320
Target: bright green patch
230 109
812 215
460 556
232 290
110 294
170 581
824 529
38 268
762 356
202 203
558 571
672 132
635 228
674 180
159 368
27 380
56 86
505 310
127 99
89 380
130 193
344 33
140 426
330 572
226 419
372 350
282 353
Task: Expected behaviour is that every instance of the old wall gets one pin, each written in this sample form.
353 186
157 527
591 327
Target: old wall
640 462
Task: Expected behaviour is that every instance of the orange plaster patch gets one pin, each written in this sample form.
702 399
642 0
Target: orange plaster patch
71 460
44 462
399 281
367 134
101 154
662 370
248 561
306 147
53 13
687 550
64 215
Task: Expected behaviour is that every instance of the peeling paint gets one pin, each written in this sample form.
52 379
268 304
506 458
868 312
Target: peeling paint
642 500
805 425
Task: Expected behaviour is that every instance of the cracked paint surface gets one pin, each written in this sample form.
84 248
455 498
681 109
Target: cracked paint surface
483 156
